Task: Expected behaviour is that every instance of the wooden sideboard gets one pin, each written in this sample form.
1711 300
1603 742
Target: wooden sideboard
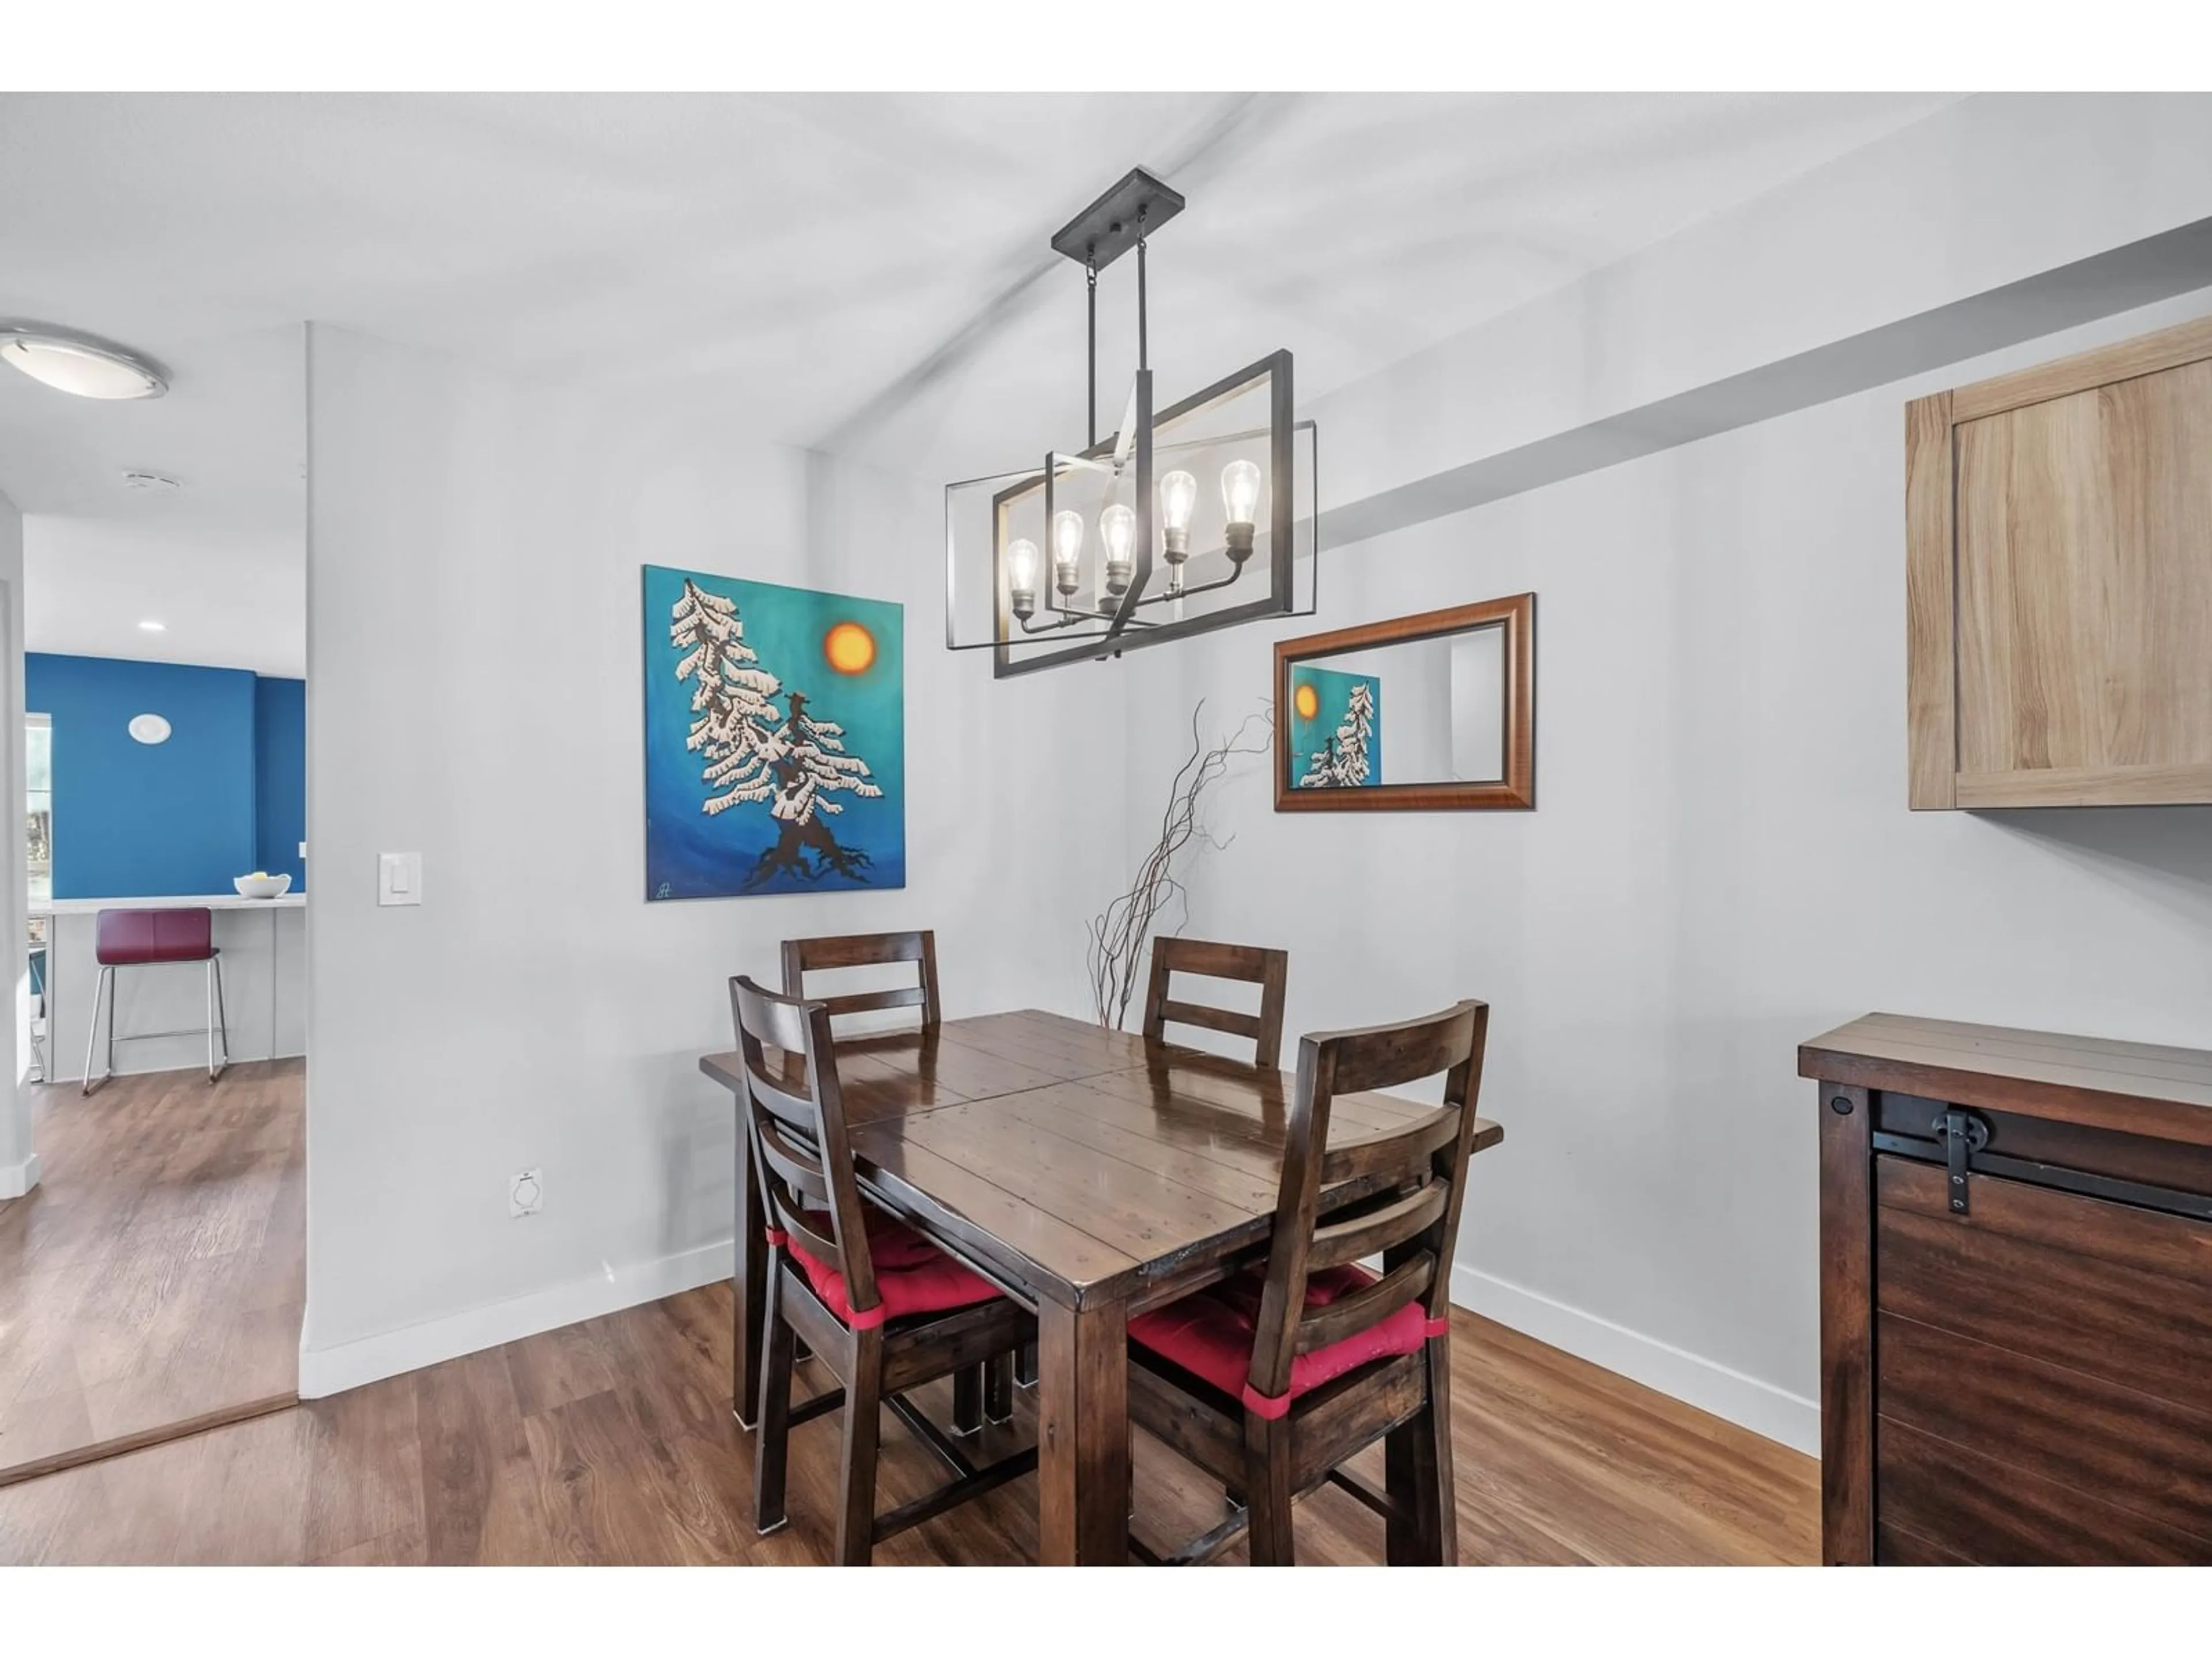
2057 592
2015 1296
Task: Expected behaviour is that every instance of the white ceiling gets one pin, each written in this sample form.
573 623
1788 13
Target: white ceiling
850 271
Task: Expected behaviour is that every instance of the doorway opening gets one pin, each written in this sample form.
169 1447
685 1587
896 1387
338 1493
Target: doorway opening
152 1280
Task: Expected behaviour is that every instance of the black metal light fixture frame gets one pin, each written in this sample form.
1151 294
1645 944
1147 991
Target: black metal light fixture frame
1122 219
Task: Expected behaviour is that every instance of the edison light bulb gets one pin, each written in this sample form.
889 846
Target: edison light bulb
1067 548
1240 503
1240 492
1178 494
1021 576
1117 527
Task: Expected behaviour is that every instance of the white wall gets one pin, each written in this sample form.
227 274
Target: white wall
473 637
1720 866
19 1164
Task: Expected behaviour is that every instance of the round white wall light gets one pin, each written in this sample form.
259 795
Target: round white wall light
149 728
82 364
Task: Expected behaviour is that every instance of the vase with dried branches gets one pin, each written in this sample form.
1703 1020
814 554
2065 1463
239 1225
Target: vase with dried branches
1116 954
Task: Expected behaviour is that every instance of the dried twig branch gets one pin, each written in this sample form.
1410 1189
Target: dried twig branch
1117 934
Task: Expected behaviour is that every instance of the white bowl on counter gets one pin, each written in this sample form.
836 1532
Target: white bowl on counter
262 887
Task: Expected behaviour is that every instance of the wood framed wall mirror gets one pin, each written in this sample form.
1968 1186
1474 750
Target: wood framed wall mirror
1420 714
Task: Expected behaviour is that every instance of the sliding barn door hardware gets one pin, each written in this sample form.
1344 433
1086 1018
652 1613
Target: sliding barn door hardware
1963 1133
1960 1138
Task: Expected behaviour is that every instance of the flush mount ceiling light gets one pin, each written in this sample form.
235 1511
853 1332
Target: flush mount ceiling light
154 627
1144 523
79 363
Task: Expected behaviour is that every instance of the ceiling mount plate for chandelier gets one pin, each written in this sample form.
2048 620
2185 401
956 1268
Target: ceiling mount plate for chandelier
1141 535
1109 226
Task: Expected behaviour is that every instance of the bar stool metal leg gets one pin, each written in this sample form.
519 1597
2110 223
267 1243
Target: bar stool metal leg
218 1019
91 1032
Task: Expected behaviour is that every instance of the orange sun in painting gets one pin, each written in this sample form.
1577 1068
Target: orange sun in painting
850 649
1307 701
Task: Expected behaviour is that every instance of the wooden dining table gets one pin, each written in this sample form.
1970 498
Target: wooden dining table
1092 1174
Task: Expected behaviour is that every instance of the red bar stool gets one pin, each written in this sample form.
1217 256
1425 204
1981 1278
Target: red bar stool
146 938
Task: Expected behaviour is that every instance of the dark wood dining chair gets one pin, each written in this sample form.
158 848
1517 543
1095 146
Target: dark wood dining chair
882 1307
804 955
1273 1380
1268 970
988 1391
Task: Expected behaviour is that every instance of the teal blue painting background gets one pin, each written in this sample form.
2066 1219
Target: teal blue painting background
691 854
1332 687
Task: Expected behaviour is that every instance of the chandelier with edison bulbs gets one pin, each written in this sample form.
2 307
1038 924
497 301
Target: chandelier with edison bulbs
1108 548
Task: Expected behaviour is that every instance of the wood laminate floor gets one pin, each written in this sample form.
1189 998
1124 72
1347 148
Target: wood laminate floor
155 1278
611 1442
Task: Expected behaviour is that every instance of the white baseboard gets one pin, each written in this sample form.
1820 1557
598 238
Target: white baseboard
1759 1406
334 1369
18 1179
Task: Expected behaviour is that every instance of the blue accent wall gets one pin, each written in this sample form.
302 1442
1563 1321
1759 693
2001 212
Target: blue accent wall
280 778
136 820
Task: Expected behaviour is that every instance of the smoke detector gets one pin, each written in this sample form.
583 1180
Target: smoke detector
152 483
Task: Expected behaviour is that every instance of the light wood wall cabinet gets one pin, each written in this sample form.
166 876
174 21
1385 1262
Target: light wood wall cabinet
2058 537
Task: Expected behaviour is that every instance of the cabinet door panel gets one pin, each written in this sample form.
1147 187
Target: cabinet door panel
2096 1287
2096 1435
1999 1514
2084 581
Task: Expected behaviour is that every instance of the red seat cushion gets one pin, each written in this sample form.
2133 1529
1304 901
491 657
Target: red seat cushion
1210 1335
913 1276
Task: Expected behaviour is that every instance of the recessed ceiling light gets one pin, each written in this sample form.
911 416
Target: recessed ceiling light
79 363
154 483
154 627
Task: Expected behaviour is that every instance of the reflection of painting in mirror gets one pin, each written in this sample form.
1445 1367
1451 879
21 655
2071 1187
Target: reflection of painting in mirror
1461 711
1336 728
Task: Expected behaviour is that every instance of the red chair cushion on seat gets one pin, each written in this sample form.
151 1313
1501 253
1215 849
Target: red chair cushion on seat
913 1276
1210 1335
125 939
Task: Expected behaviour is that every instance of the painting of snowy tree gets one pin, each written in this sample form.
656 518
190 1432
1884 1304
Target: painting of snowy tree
775 738
1336 728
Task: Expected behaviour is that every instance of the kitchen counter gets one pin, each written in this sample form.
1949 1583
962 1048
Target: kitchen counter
86 907
265 986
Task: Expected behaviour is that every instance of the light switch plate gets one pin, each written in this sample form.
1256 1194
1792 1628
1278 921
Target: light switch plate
400 878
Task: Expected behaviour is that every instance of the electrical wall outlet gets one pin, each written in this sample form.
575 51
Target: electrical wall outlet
526 1194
